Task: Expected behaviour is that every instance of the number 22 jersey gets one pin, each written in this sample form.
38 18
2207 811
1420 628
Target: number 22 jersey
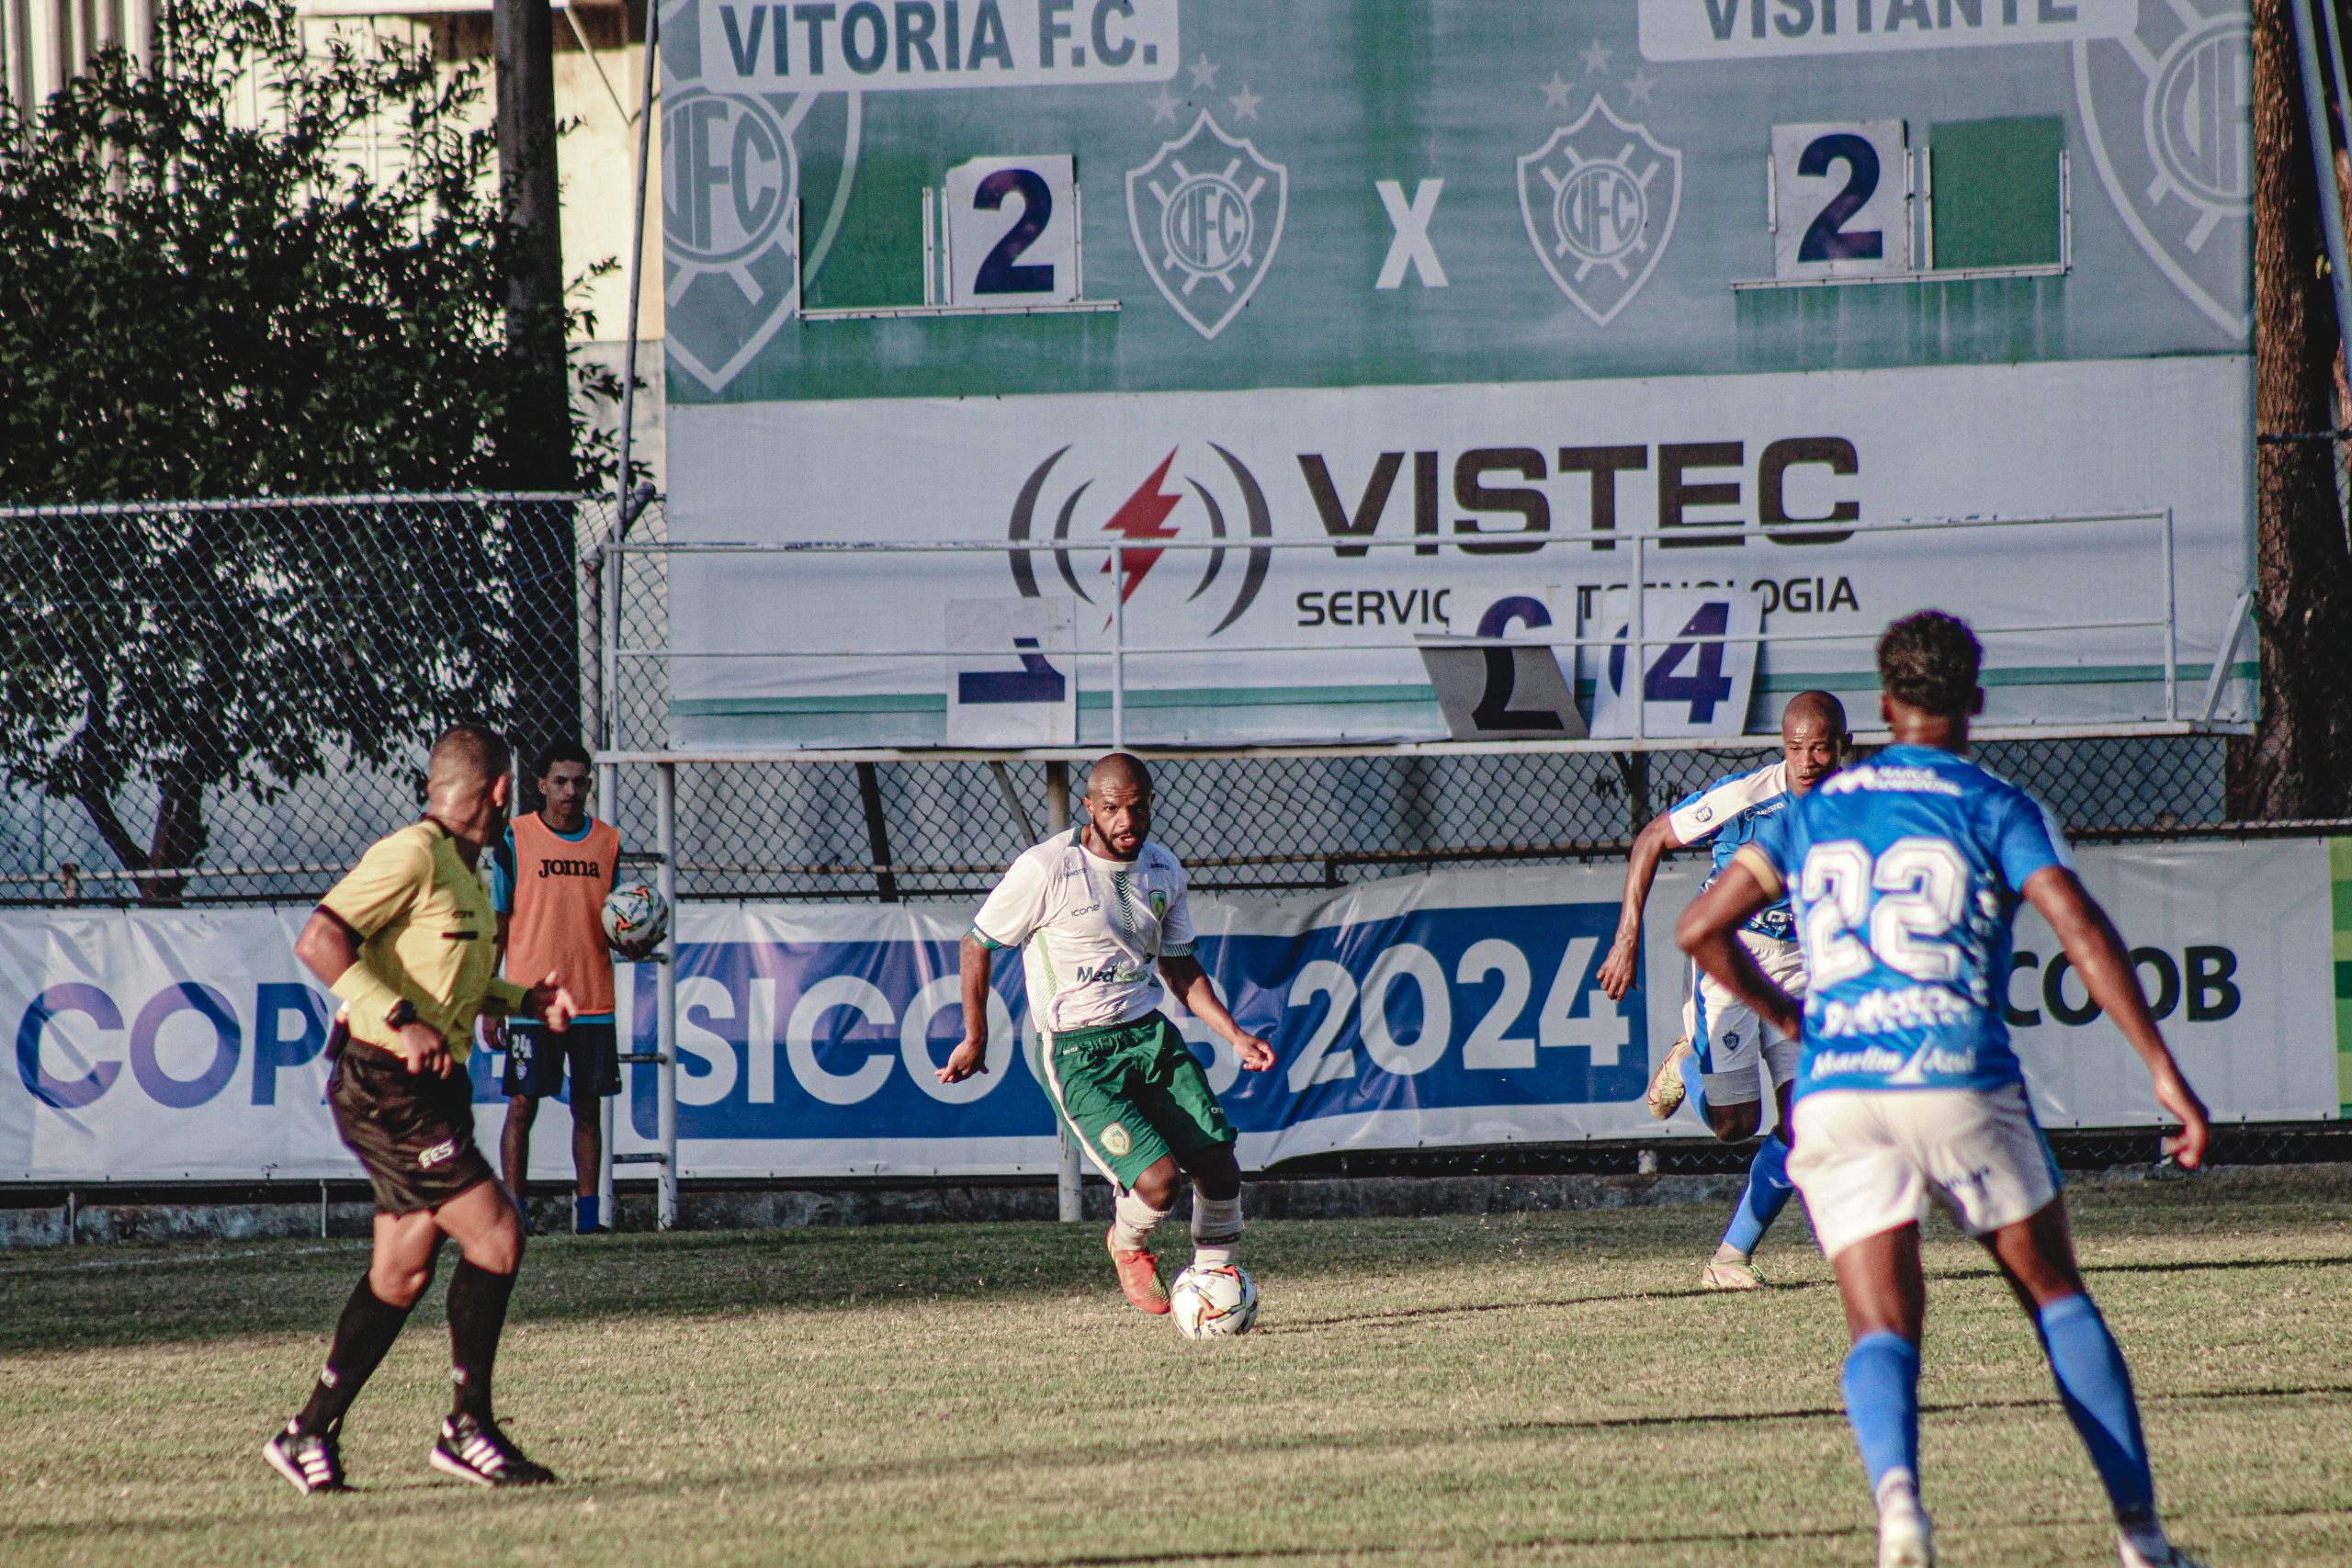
1905 874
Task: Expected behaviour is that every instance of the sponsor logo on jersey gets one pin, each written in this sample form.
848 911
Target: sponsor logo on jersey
571 868
439 1154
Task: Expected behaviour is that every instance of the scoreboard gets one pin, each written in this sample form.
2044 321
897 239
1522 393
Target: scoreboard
1283 343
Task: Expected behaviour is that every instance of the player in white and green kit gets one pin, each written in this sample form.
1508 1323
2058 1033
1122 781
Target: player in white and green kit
1100 917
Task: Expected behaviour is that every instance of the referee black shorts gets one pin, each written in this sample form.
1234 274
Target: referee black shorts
413 1132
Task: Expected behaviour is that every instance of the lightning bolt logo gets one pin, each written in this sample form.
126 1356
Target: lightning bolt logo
1143 515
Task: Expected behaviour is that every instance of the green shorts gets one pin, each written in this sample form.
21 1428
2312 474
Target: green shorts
1132 1093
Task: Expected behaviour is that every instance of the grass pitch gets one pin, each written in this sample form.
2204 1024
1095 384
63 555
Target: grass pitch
1525 1388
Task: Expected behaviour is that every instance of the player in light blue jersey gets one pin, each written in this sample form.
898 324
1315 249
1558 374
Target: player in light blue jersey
1727 1054
1906 874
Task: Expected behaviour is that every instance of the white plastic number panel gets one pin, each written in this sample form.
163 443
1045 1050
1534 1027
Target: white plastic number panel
1840 199
1012 232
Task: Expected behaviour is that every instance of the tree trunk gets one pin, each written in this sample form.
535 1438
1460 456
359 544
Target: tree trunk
536 442
176 843
2298 763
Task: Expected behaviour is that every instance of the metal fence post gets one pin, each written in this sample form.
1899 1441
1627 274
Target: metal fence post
1119 651
665 1116
1067 1191
1638 652
2172 628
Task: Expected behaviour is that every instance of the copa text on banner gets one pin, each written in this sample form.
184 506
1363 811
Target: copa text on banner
1451 1008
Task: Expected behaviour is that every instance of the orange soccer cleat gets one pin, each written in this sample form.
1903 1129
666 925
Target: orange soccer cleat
1139 1277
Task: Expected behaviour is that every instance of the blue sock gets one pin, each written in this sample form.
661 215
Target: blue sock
1695 1085
584 1213
1883 1403
1769 1191
2096 1388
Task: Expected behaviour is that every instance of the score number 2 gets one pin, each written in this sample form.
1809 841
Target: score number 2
1033 259
1838 200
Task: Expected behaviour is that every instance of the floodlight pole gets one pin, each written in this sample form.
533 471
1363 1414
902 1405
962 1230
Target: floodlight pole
2331 203
1067 1191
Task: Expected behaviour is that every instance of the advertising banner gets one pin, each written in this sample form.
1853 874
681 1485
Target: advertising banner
1457 1007
1499 284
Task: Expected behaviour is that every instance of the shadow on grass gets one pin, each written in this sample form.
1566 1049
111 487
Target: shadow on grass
186 1296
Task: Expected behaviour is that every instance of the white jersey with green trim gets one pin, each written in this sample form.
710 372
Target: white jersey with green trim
1092 930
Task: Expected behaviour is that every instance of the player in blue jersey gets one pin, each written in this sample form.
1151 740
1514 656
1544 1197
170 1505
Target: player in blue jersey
1726 1053
1906 874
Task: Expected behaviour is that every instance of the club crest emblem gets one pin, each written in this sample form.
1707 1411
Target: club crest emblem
2168 113
1206 213
730 192
1115 1141
1599 199
1159 903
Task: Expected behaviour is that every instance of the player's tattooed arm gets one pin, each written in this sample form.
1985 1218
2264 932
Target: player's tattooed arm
1619 971
1191 985
971 1056
2098 954
1708 932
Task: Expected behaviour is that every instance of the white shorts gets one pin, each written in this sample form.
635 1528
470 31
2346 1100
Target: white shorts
1734 1047
1866 1158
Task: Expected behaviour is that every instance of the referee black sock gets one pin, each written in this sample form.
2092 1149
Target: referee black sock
367 1329
477 1316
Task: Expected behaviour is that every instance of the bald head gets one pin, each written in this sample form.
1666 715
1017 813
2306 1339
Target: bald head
1813 738
468 756
1819 709
1118 807
1118 770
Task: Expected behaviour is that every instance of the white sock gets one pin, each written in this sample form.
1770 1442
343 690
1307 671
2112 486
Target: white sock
1898 1491
1132 1222
1217 1231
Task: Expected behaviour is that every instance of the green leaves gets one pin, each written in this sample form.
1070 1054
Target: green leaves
202 300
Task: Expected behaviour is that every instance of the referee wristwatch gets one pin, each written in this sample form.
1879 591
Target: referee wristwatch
403 1012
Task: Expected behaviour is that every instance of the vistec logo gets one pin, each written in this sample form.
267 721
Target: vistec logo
1205 497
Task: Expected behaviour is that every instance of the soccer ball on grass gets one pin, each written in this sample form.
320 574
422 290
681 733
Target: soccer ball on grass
1214 1303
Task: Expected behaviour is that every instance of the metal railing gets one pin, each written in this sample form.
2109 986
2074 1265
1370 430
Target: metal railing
2161 621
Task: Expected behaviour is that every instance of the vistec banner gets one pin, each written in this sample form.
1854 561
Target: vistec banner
1492 285
1451 1008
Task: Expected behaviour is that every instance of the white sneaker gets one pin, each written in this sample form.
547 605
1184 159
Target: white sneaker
1729 1274
1665 1090
2174 1557
1905 1539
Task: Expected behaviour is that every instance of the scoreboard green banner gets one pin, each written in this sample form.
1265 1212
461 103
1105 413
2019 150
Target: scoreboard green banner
1513 277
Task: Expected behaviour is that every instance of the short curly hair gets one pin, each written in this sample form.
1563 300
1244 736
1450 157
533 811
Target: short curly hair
1930 661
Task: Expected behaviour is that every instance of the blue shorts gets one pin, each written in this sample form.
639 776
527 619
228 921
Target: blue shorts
537 1060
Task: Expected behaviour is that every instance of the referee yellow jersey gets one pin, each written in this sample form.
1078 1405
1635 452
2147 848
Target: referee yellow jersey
427 935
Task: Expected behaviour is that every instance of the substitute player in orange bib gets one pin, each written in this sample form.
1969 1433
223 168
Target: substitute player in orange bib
405 941
548 879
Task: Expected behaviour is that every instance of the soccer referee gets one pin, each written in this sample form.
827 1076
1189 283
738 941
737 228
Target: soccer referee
406 941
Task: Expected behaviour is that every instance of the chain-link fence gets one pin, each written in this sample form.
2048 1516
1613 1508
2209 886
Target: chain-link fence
227 702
